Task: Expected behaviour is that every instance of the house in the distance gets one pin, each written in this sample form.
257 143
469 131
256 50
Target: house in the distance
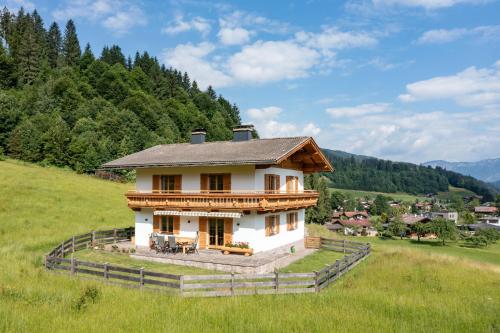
485 210
350 223
447 215
244 190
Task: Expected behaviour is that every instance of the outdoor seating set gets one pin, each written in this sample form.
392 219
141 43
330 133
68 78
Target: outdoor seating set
171 244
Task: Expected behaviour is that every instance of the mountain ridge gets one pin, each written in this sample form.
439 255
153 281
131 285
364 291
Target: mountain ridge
487 170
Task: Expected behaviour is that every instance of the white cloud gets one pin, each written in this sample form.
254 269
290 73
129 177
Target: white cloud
117 16
194 59
331 38
419 136
234 36
359 110
450 35
268 124
15 5
427 4
471 87
242 19
272 61
179 25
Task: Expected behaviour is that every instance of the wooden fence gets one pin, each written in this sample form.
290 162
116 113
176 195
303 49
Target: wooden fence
206 285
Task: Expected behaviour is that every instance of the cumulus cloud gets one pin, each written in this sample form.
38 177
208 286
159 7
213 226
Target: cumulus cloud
195 59
272 61
234 36
437 36
419 136
15 5
180 25
472 87
359 110
427 4
268 124
332 38
117 16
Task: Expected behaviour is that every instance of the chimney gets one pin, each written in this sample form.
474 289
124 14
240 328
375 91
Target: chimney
198 135
242 132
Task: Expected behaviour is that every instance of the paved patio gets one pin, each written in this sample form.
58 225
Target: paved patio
262 262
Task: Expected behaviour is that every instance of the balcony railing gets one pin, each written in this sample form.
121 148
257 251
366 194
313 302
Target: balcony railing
223 200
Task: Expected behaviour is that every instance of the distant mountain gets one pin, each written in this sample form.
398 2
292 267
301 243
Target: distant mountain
496 184
360 172
485 170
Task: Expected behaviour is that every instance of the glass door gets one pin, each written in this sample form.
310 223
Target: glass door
216 232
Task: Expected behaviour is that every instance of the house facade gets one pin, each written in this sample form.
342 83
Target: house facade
245 190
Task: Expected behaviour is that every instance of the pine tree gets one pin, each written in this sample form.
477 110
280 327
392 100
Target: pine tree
87 57
28 56
6 69
71 45
211 93
54 43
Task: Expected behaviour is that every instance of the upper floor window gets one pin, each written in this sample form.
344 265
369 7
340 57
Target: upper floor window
292 184
216 182
167 183
272 225
271 183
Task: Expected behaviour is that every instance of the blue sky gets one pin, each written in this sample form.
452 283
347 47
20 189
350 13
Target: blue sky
410 80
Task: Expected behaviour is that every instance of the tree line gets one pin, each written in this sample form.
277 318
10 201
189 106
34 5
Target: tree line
372 174
64 106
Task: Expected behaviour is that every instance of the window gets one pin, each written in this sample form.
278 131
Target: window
272 225
167 224
216 183
271 183
292 221
292 184
167 183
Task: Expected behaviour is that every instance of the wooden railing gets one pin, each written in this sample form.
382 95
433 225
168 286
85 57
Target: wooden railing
204 285
256 200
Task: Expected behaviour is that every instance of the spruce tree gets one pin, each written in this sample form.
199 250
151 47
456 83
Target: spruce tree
71 45
28 56
87 57
54 43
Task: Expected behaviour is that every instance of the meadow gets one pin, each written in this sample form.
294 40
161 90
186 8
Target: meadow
370 194
401 287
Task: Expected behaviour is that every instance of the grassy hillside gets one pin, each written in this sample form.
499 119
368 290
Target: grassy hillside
396 196
397 289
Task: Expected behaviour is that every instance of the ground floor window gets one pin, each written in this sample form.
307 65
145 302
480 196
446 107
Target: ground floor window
272 225
292 221
167 224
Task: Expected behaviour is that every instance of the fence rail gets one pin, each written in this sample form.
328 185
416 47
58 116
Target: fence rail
205 285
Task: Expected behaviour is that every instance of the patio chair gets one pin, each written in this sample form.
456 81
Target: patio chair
160 244
194 246
154 241
172 245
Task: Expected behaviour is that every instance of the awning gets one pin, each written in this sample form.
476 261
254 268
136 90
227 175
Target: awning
194 213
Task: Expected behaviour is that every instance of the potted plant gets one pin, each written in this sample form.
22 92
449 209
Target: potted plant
237 247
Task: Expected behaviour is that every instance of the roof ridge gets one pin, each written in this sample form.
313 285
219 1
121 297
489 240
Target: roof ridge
230 141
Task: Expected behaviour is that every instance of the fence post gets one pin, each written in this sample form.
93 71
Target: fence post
73 244
276 279
114 235
141 270
92 239
343 245
181 284
106 270
337 268
232 283
328 275
72 265
316 281
62 250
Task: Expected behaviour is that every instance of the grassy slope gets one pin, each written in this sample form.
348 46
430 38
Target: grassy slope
396 196
396 289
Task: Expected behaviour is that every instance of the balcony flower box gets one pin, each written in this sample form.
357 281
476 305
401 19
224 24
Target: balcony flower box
241 247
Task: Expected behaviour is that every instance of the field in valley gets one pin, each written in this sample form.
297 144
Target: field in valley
401 287
396 196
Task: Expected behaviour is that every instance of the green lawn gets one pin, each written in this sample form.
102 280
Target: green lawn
396 196
401 287
454 191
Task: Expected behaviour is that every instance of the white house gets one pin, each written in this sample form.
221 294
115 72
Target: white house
244 190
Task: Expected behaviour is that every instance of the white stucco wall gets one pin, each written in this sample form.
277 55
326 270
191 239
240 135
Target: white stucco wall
248 228
243 178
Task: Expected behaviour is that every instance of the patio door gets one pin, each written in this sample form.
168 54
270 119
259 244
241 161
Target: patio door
215 232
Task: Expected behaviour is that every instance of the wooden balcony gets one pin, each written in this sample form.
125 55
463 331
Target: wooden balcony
259 201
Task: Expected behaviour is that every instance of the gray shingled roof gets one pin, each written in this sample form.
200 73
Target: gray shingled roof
256 151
